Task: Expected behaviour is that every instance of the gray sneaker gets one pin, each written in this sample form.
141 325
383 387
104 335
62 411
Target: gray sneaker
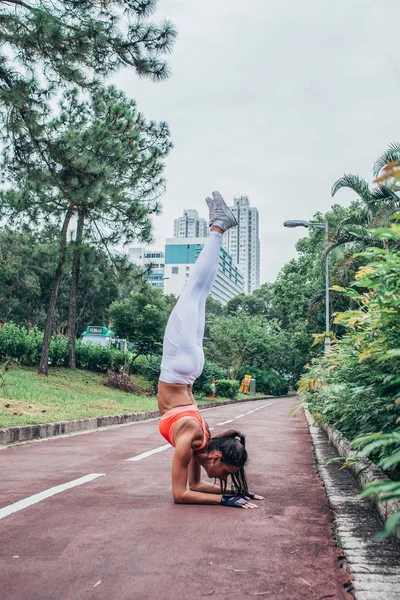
220 212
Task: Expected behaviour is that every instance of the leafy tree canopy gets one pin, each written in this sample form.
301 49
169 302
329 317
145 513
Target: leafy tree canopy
141 319
50 42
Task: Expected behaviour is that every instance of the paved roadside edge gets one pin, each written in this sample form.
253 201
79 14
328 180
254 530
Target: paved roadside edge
26 433
374 566
364 470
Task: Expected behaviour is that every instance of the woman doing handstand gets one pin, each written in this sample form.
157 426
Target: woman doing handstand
181 423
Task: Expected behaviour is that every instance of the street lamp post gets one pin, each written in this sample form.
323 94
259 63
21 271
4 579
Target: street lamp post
323 226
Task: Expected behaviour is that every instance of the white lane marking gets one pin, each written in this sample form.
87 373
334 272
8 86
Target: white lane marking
244 414
161 448
149 453
263 406
21 504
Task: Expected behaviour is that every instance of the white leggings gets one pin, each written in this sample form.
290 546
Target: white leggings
183 355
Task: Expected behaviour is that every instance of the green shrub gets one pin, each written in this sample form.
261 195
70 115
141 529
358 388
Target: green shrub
14 342
98 358
18 345
210 371
227 388
268 382
149 368
58 351
34 342
356 385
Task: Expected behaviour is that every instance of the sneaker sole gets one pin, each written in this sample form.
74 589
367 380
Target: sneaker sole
231 216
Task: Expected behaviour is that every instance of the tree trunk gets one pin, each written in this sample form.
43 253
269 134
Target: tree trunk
44 358
76 261
131 363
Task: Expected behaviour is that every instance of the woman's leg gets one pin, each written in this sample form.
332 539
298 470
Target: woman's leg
183 356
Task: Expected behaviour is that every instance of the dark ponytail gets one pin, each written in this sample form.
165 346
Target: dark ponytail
232 445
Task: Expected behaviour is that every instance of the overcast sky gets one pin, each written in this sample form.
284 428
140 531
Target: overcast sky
275 99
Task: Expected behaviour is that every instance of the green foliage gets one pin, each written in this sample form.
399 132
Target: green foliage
15 343
270 382
25 348
94 357
69 41
95 158
141 318
240 339
149 368
356 385
27 269
211 371
227 388
213 307
258 303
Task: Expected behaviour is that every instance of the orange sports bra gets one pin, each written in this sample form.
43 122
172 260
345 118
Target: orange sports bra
169 419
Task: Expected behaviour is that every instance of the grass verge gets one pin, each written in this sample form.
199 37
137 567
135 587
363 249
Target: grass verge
27 398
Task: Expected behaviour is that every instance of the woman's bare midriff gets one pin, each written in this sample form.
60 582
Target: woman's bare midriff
171 395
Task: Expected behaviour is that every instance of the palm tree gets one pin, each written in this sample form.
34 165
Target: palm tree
376 205
374 208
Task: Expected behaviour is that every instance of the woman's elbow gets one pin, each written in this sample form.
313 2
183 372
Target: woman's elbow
179 498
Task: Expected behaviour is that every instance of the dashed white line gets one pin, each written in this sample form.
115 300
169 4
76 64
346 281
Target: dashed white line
244 414
149 453
166 446
21 504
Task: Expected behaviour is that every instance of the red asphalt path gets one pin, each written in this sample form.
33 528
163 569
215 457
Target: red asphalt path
120 537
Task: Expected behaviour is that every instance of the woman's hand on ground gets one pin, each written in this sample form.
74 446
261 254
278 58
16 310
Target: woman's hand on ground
236 502
254 497
250 505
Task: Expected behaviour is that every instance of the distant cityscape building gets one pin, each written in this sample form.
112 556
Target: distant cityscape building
144 258
243 242
190 225
180 256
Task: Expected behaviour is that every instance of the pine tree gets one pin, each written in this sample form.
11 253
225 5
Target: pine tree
50 45
107 161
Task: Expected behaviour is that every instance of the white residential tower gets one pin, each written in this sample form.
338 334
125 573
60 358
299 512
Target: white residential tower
243 242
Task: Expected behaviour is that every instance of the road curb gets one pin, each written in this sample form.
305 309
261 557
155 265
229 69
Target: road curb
374 566
364 470
26 433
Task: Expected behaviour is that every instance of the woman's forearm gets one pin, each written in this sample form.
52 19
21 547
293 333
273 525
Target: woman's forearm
208 488
198 497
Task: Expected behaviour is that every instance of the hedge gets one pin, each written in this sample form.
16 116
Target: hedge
25 348
227 388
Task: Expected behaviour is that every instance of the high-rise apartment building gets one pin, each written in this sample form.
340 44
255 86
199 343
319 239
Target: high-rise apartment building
180 257
243 242
152 261
190 225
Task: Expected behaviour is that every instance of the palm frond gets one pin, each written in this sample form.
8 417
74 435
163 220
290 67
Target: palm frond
391 154
383 192
345 268
384 196
316 302
362 217
383 215
355 183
